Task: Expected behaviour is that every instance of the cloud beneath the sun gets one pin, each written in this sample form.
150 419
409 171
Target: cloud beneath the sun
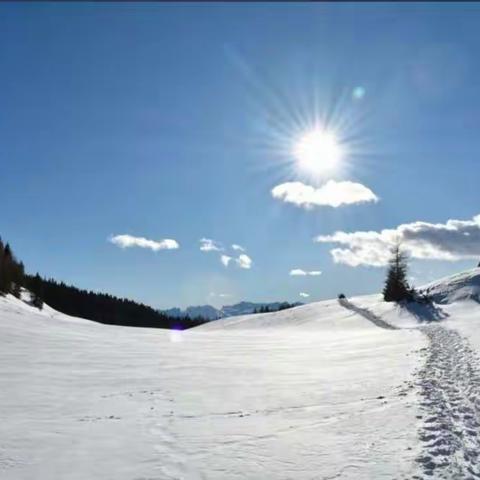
298 272
333 194
304 295
129 241
453 240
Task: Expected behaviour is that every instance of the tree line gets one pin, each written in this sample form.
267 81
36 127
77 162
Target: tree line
268 309
99 307
12 274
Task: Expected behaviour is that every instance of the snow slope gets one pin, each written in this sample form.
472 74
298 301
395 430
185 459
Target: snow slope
315 392
446 385
357 389
462 286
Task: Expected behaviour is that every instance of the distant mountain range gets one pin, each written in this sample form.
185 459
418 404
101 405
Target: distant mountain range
243 308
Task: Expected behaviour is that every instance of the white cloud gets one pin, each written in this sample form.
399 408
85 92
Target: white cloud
225 259
296 272
332 193
304 295
209 245
128 241
453 240
244 261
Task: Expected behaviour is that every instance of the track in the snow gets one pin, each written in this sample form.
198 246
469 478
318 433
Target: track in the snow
449 385
365 313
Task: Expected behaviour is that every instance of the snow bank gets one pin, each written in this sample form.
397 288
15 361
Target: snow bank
462 286
323 390
313 392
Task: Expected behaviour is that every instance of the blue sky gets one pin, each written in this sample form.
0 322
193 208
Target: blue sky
166 121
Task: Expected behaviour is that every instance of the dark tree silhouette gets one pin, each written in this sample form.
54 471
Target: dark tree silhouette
99 307
103 307
11 271
272 308
37 291
396 285
18 278
6 267
3 281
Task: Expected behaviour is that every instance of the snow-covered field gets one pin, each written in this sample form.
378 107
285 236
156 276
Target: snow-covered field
322 391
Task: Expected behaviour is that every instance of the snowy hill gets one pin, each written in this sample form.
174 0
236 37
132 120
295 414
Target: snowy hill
462 286
325 390
275 403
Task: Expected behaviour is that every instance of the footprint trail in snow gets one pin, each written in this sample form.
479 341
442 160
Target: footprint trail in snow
450 400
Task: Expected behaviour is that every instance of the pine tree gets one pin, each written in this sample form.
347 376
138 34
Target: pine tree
17 290
2 271
12 273
36 288
6 269
18 278
396 285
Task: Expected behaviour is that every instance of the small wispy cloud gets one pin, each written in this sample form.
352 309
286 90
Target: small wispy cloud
244 261
236 255
225 259
129 241
304 295
209 245
332 194
298 272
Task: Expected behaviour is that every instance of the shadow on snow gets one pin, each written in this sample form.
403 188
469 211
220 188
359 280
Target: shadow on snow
365 313
425 312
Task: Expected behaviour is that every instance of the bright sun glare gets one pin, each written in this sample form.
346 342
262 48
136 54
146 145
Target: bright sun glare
318 151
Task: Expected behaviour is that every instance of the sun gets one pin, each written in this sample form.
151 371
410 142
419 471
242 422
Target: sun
318 151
